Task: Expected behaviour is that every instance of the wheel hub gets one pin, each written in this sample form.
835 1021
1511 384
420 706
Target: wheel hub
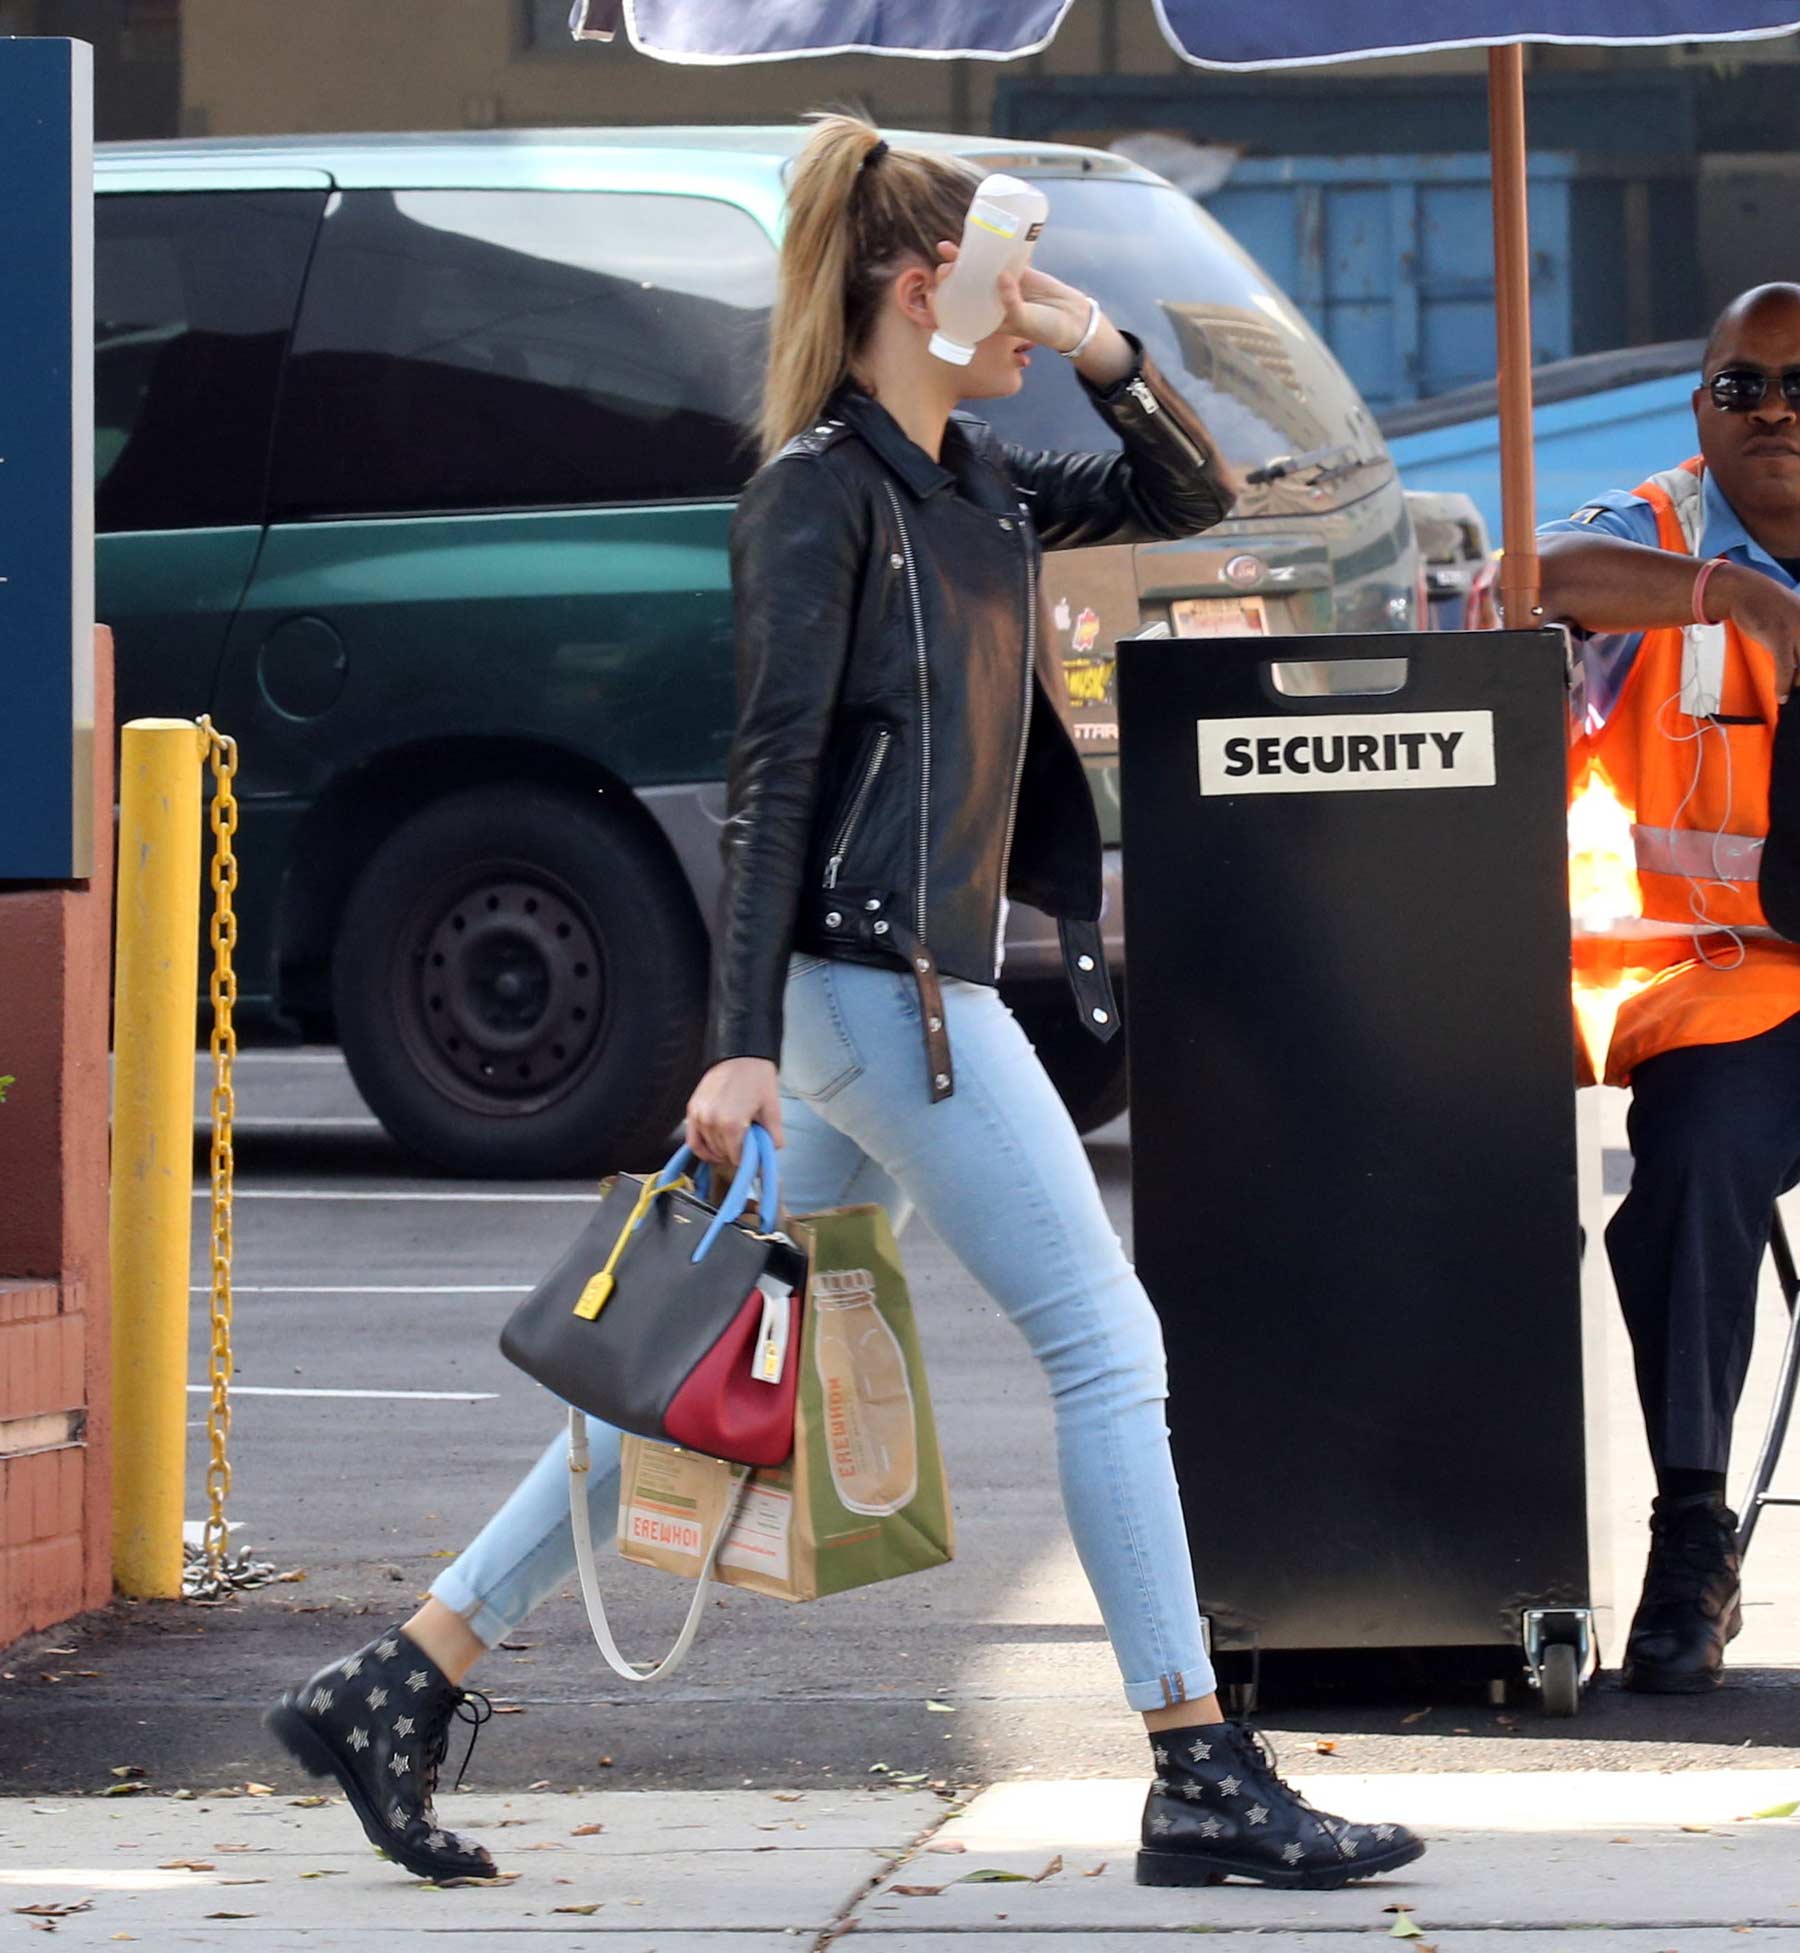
509 986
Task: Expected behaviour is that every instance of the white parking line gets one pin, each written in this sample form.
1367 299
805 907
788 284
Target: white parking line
425 1396
332 1193
407 1288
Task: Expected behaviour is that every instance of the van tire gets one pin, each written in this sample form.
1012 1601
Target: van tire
1089 1076
519 985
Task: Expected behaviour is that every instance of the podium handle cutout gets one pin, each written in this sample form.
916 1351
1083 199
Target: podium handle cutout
1339 677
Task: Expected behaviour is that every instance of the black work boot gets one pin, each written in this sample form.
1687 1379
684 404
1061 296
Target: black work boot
1692 1600
379 1721
1217 1810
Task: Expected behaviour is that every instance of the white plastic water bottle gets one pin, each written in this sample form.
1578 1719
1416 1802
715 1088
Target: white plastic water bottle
1002 225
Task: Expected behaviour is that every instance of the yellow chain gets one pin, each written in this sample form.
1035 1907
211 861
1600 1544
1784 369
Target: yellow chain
222 755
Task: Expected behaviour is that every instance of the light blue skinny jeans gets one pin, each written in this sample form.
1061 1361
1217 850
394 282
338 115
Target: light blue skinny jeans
1000 1173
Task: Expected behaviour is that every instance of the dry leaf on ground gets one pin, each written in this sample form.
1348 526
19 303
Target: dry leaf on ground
1096 1870
587 1830
188 1865
947 1844
916 1891
54 1908
586 1911
1050 1870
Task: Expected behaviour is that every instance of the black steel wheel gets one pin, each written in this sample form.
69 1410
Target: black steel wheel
1560 1680
519 984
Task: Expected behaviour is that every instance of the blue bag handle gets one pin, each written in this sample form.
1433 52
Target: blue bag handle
758 1163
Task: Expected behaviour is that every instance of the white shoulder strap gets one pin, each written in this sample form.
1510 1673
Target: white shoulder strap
590 1581
1702 645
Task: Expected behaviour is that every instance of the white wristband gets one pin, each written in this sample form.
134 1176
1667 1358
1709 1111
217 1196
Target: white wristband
1087 338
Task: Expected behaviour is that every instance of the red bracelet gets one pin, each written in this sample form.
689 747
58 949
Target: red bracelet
1700 583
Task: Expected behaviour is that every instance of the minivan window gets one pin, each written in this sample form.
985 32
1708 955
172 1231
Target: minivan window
487 349
194 297
1257 374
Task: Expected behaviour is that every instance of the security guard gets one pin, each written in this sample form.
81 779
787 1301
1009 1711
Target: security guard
1684 591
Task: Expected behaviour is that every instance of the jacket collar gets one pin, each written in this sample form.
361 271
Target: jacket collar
1722 532
869 419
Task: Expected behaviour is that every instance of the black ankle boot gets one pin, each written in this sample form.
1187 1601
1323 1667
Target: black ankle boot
1217 1810
379 1721
1692 1600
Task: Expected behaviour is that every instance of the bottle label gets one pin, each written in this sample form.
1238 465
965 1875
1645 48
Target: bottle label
994 217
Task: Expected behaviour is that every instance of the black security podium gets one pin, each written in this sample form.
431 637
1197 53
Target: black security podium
1353 1142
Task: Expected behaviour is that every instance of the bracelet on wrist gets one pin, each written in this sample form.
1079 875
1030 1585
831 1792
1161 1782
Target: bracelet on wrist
1700 582
1087 337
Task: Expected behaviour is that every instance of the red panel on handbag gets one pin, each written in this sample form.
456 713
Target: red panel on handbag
725 1411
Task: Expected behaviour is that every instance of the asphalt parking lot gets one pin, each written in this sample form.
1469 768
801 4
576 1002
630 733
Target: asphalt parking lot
375 1426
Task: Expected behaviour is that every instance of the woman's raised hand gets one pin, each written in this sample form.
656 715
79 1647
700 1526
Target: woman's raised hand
1038 307
733 1095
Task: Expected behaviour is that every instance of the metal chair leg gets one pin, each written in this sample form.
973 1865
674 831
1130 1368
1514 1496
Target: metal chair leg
1775 1436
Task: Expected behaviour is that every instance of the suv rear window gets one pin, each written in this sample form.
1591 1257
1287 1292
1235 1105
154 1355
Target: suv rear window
1256 373
194 297
487 349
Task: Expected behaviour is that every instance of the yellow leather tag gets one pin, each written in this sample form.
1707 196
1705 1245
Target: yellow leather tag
593 1297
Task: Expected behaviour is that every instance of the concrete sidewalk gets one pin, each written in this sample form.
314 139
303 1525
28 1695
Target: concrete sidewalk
1535 1862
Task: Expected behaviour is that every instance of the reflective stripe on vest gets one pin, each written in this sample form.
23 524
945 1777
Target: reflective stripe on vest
1695 856
1702 645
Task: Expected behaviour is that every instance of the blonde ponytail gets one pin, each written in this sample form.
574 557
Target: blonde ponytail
855 217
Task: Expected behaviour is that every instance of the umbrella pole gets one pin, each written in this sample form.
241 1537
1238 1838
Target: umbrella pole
1512 304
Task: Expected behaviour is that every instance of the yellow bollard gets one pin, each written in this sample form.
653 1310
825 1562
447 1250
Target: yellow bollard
153 1145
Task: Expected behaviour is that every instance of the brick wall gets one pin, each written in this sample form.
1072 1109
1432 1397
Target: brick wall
55 1368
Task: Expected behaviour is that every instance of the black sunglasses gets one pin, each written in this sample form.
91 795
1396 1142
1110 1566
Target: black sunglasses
1738 389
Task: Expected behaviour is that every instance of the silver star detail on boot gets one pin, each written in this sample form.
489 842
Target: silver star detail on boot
377 1697
358 1739
321 1701
1258 1815
387 1649
400 1763
1161 1755
352 1667
1160 1824
1229 1786
403 1725
1201 1752
1211 1827
1191 1791
437 1841
1385 1832
417 1680
1348 1846
1292 1854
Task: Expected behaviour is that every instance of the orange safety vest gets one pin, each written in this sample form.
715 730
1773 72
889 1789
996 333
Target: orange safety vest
1687 748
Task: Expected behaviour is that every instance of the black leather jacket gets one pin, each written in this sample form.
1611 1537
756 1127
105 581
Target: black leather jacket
902 757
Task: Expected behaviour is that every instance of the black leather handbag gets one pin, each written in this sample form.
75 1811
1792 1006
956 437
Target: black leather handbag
675 1320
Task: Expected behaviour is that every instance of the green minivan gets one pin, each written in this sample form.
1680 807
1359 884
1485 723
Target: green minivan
415 459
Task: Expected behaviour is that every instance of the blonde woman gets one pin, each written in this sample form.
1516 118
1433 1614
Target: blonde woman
901 766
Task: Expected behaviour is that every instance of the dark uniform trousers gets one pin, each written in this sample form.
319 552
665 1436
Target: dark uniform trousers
1715 1137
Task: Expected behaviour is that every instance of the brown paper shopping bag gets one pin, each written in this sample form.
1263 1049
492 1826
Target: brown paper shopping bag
864 1497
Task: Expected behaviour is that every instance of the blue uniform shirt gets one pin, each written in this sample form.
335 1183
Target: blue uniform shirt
1606 657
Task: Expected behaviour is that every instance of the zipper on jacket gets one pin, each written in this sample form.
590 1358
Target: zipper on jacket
1139 389
1012 809
871 772
918 624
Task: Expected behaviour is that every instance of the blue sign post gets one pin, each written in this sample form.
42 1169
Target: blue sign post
46 460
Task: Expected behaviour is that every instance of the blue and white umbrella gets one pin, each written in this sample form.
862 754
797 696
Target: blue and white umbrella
1241 34
1210 33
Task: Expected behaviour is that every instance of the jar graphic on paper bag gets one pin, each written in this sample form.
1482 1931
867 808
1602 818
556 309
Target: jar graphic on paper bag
870 1430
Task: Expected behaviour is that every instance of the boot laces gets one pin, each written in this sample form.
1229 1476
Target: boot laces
1265 1751
1686 1558
462 1705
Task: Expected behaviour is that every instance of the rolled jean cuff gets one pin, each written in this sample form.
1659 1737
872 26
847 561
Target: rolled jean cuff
480 1616
1191 1684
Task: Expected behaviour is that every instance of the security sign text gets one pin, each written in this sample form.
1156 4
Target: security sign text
1346 753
